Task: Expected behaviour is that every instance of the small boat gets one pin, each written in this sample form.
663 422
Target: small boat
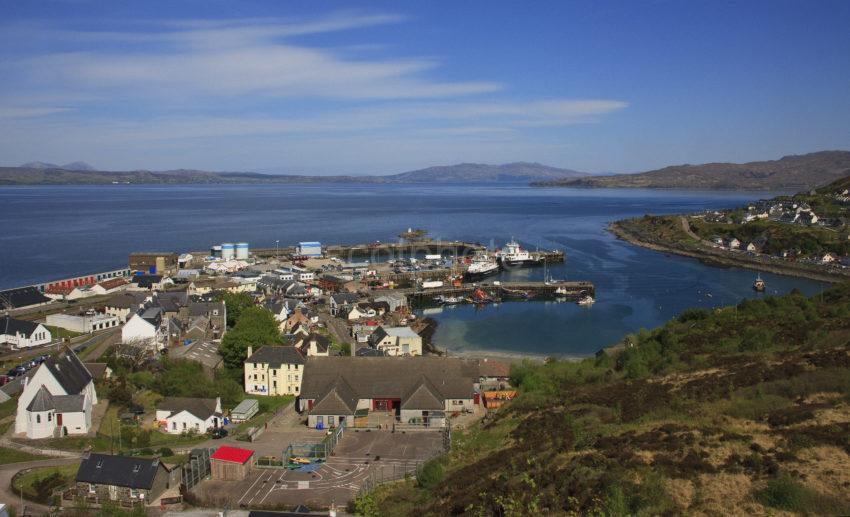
586 301
448 300
561 291
759 284
303 461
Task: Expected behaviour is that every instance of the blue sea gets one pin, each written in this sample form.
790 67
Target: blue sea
55 232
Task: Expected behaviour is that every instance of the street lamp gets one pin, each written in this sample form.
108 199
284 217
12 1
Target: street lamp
276 243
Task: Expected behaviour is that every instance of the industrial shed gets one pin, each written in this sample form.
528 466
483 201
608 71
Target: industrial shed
231 463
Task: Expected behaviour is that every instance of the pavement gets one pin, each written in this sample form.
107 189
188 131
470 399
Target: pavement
361 457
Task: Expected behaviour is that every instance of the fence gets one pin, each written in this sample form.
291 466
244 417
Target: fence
380 474
315 450
197 468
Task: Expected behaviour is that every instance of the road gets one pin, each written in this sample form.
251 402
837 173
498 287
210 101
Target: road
9 470
337 328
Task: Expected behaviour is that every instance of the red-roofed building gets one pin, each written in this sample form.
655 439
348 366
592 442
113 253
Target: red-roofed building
231 463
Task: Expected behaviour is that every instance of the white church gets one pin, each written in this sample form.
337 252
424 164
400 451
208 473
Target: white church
57 400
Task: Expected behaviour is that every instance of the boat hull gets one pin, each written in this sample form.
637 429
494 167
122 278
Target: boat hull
531 262
478 275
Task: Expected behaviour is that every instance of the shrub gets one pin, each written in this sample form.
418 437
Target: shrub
431 474
784 493
165 451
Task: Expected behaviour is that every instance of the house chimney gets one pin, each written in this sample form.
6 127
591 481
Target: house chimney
250 351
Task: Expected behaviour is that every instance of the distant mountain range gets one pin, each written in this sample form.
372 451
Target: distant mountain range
81 173
796 172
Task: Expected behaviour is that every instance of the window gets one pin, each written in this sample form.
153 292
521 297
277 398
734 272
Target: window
174 426
49 417
296 378
320 420
134 493
330 421
91 488
296 389
37 419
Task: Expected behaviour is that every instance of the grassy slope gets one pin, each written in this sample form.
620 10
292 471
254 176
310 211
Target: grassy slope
741 410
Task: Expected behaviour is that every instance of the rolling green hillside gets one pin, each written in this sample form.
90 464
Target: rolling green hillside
742 410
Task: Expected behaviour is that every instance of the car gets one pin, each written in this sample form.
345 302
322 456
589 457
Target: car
218 433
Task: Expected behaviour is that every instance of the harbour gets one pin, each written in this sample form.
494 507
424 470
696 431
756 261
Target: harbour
634 287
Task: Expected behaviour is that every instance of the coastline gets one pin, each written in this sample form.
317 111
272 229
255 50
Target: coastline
724 259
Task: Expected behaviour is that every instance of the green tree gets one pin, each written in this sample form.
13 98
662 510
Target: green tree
256 327
236 303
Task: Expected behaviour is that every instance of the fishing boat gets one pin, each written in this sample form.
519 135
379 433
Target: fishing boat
587 301
513 255
759 284
448 300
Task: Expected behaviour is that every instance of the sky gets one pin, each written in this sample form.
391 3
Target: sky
329 87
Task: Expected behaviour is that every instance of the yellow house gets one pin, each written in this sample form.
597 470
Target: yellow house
274 370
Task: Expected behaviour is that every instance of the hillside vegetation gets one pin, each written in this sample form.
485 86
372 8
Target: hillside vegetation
794 172
737 411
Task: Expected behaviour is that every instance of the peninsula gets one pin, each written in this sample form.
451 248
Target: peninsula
804 235
789 173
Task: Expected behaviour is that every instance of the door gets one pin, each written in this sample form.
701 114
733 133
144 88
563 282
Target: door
59 419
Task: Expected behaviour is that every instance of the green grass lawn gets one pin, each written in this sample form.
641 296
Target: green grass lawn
268 406
8 408
60 333
15 456
36 489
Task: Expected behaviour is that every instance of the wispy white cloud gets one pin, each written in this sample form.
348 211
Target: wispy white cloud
191 85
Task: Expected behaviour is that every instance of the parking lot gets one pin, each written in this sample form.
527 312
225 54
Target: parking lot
359 455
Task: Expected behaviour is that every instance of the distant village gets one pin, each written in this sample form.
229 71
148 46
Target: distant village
344 353
793 212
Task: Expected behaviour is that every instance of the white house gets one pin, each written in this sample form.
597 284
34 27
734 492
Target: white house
113 285
734 244
179 415
84 323
144 328
397 341
23 334
57 400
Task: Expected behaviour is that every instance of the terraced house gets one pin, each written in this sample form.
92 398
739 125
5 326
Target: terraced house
274 370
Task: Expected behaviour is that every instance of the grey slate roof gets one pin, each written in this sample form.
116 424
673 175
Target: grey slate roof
12 326
69 403
23 297
422 396
345 298
43 401
275 356
103 469
339 399
390 377
69 371
201 408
